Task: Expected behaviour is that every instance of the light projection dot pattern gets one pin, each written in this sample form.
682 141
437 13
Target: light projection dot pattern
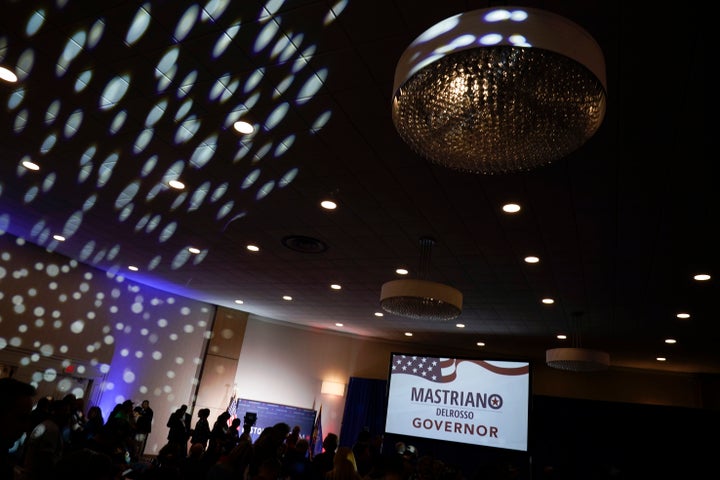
186 129
126 335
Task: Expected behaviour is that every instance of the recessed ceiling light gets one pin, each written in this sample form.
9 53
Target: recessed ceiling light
661 359
328 205
7 75
133 268
511 208
561 336
548 301
239 302
30 165
194 250
701 277
335 286
683 315
253 248
338 324
287 297
176 184
532 259
402 271
59 238
670 341
460 325
480 344
243 127
408 334
379 314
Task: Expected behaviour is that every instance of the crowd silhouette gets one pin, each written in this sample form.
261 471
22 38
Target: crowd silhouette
55 439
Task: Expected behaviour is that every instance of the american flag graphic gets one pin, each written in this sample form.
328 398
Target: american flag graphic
443 370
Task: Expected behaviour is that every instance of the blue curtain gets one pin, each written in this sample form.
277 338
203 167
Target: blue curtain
365 406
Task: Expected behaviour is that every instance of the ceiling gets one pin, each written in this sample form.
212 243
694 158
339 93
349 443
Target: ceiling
110 113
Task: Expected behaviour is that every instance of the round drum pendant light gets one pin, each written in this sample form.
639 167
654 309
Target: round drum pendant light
576 359
420 298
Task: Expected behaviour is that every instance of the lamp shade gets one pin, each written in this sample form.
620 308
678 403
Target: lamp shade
577 359
421 299
499 90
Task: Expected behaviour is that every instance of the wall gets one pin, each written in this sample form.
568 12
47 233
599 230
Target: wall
626 385
217 387
286 364
61 321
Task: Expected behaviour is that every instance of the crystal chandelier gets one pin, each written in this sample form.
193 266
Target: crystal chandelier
499 90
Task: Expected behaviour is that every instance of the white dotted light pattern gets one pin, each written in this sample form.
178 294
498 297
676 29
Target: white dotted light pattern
61 321
80 111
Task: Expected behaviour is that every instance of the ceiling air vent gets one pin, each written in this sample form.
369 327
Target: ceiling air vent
303 244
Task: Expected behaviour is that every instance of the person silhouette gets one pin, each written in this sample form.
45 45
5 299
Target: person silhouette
143 426
323 461
201 432
16 403
179 430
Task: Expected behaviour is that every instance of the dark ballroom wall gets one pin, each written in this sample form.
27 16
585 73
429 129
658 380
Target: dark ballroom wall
588 439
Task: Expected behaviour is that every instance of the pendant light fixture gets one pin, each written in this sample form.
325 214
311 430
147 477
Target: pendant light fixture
576 358
420 298
499 90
